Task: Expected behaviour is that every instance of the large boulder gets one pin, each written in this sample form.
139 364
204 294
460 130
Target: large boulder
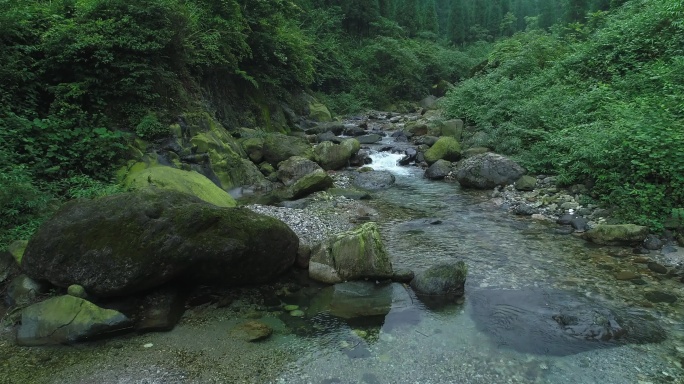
374 180
445 279
618 234
66 319
439 170
446 148
332 156
188 182
319 112
278 147
302 176
487 170
131 242
351 255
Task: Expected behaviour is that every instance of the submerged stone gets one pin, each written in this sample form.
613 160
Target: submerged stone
558 323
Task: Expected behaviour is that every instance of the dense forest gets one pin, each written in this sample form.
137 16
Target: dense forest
590 90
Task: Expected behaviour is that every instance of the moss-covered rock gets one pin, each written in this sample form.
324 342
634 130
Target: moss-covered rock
618 234
302 177
253 146
66 319
130 242
279 147
445 279
332 156
16 249
526 183
351 255
446 148
319 112
189 182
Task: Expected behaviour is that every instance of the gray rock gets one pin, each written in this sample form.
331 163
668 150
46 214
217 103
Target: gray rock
351 255
566 219
369 139
374 180
131 242
23 290
409 156
525 210
660 297
278 147
445 279
439 170
653 243
252 330
579 223
403 275
326 136
526 183
487 170
657 268
66 319
619 234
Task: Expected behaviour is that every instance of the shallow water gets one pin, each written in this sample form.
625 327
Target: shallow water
422 223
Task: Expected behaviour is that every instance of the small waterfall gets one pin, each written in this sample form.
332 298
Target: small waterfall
387 161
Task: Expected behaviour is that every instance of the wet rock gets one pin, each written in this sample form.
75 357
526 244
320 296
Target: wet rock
161 310
660 297
624 234
525 210
131 242
557 323
409 156
487 171
252 331
332 156
403 275
626 275
439 170
351 255
374 180
278 147
23 290
426 140
353 300
657 268
302 177
369 139
66 319
303 256
580 224
526 183
652 242
566 219
445 279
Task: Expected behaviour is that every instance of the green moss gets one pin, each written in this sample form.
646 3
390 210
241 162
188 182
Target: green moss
191 183
446 148
16 249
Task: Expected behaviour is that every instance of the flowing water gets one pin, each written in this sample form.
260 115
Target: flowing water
521 263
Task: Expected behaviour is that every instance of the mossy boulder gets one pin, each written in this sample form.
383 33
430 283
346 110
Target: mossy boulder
302 177
253 147
351 255
332 156
618 234
66 319
319 112
188 182
278 147
445 279
446 148
526 183
16 249
453 128
131 242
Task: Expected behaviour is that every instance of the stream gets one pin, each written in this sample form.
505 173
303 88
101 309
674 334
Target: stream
524 262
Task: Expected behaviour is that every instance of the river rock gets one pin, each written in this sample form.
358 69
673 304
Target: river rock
279 147
66 319
439 170
453 128
445 279
369 139
326 136
487 170
319 112
653 243
302 177
470 152
579 223
351 255
23 290
660 297
409 156
446 148
161 310
657 268
252 330
254 148
353 300
526 183
619 234
76 290
374 180
332 156
403 275
557 323
131 242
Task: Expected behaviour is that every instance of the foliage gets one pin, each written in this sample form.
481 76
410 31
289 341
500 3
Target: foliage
150 128
605 111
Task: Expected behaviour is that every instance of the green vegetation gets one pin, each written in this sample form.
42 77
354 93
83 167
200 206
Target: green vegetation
599 103
590 90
